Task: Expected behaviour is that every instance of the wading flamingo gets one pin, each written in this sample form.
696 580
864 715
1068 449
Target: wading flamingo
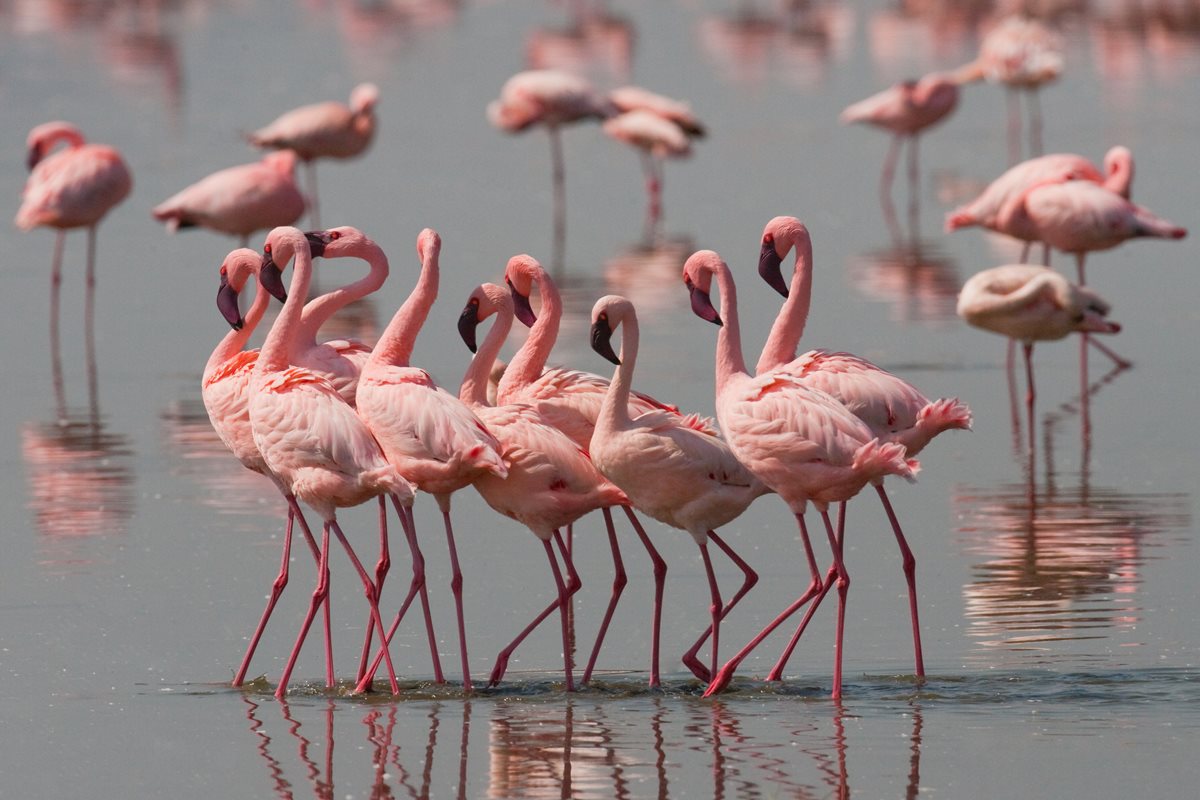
323 130
799 441
571 401
668 469
311 438
632 98
551 482
238 200
434 440
71 188
892 408
657 139
225 389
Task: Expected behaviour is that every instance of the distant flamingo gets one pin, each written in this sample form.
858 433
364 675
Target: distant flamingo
225 389
571 401
551 482
238 200
892 408
799 441
433 439
71 188
657 138
323 130
669 469
312 439
633 98
552 98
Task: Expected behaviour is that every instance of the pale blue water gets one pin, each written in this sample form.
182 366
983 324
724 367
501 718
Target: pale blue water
1058 593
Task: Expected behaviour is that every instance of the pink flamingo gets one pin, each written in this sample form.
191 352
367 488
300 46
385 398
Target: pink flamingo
312 439
571 401
323 130
225 388
551 481
632 98
433 439
892 408
71 188
679 475
657 138
238 200
797 440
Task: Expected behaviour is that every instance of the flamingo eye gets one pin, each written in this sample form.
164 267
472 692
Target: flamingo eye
267 247
474 301
335 235
769 238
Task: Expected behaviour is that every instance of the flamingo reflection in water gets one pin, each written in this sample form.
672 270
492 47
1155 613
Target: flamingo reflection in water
593 40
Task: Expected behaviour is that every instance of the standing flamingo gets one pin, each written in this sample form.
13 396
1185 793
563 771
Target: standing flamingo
571 401
428 434
312 439
632 98
892 408
72 188
552 98
657 138
225 389
323 130
551 481
681 476
797 440
238 200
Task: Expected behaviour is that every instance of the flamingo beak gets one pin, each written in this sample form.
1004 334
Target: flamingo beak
602 340
316 242
468 321
227 303
521 307
33 156
702 305
770 268
271 278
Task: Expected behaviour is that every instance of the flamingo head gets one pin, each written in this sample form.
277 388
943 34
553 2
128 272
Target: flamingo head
607 314
485 300
697 276
780 235
236 270
520 274
429 244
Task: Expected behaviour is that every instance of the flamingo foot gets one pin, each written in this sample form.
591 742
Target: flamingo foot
500 668
718 684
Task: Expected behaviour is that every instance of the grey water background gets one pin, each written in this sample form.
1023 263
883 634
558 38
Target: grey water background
1058 593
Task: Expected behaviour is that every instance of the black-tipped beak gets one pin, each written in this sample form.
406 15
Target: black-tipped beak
227 303
602 340
702 305
770 268
468 321
33 156
271 278
316 243
521 307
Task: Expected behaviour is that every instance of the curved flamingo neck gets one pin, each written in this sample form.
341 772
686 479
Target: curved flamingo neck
473 390
730 360
396 345
614 410
318 312
788 328
530 361
273 357
1119 172
234 342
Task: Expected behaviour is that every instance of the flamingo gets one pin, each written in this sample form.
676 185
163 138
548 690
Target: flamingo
679 475
571 401
238 200
71 188
225 389
312 439
631 98
552 98
323 130
657 138
892 408
799 441
551 481
433 439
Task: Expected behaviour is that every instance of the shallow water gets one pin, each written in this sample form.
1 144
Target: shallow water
1056 584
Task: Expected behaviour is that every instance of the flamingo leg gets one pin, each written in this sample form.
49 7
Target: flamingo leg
89 327
843 587
660 577
914 192
456 588
714 608
564 595
372 599
1014 127
60 393
750 578
1035 123
725 674
1029 391
909 563
381 571
320 593
888 173
618 586
1025 250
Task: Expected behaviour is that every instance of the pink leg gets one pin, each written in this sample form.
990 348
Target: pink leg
1029 391
319 595
619 581
1118 361
714 608
60 394
1080 258
889 171
909 562
1025 248
725 674
750 578
1035 124
456 587
843 587
381 571
660 577
1014 127
372 599
564 598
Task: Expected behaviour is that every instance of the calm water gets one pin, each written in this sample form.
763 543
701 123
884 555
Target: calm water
1057 586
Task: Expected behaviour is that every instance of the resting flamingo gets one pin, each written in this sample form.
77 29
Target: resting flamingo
551 482
238 200
71 188
892 408
571 401
323 130
433 439
225 389
797 440
656 138
312 439
679 475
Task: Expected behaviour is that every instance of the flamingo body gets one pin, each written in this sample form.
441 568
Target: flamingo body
1080 216
630 98
908 107
647 131
547 96
324 130
73 187
1031 303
